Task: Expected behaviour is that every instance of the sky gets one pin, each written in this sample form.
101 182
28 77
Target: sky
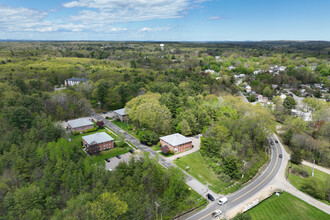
165 20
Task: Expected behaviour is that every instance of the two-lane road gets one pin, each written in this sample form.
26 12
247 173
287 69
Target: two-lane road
250 190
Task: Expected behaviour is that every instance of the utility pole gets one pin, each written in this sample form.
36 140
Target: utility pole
313 168
156 210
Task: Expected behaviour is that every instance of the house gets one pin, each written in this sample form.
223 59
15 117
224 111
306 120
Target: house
74 81
231 68
121 114
210 71
80 125
97 142
248 89
176 142
259 97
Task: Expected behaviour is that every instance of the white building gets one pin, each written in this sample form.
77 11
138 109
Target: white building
74 81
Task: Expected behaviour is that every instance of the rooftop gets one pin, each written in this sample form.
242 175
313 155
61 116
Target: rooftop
175 139
97 138
80 122
121 111
77 79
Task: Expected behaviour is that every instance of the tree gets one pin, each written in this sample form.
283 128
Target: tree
289 103
296 157
183 128
148 137
107 206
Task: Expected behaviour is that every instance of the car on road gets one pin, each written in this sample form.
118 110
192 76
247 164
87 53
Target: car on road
118 156
276 141
131 151
216 213
272 143
280 155
108 160
222 201
210 197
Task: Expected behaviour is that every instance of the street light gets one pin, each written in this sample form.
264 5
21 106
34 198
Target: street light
156 210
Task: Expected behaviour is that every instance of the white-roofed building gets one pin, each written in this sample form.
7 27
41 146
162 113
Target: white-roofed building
80 124
74 81
121 114
97 142
176 142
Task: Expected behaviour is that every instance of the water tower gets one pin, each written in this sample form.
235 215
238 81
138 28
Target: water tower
162 46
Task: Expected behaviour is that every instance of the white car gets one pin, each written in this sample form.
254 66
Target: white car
222 201
216 213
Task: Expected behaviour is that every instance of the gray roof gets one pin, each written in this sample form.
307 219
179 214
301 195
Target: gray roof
175 139
77 79
80 122
97 138
121 111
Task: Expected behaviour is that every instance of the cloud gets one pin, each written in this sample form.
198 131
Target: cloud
111 11
215 18
148 29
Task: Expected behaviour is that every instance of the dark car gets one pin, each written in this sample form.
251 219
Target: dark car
210 197
280 155
118 156
272 143
108 160
104 112
131 151
276 141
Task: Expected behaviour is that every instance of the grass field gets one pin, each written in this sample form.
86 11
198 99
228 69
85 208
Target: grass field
124 126
298 181
200 170
286 207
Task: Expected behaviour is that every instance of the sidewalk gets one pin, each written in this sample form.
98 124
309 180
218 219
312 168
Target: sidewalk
323 169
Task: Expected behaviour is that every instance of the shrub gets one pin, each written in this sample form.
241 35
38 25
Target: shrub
76 133
148 137
92 129
296 157
120 144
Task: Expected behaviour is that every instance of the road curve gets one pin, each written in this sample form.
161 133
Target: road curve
247 192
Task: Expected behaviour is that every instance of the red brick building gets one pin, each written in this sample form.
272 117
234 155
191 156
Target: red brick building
97 142
176 142
121 114
80 125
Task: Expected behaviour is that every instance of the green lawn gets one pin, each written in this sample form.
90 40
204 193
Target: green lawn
110 153
155 148
77 138
286 207
124 126
298 181
200 170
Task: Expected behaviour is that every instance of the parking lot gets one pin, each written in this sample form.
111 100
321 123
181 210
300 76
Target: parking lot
124 158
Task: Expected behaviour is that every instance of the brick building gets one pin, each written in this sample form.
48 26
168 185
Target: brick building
176 142
121 114
97 142
80 125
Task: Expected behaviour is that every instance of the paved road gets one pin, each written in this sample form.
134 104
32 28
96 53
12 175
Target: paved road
247 192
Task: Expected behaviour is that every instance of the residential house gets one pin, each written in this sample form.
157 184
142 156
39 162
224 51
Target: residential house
121 114
74 81
210 71
176 142
80 125
231 68
248 89
97 142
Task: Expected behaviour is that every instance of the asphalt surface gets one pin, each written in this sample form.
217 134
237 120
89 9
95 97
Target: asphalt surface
248 191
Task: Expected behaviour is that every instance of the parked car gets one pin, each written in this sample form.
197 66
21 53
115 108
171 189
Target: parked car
216 213
222 201
131 151
108 160
280 155
276 141
118 156
210 197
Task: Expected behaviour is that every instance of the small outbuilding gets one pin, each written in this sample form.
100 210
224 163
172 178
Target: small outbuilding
121 114
80 125
97 142
176 142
